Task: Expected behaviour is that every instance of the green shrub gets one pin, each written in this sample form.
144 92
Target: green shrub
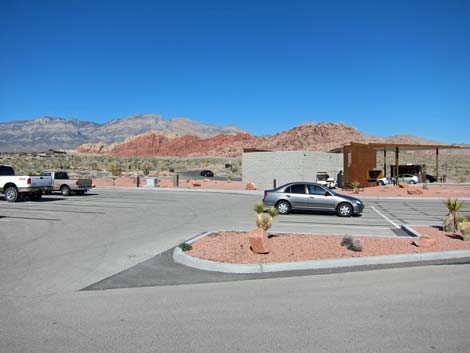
185 246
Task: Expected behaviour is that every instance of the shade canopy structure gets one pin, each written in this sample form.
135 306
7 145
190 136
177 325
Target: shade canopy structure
360 155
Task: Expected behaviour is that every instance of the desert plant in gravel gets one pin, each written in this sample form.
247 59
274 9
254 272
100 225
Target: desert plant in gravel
264 220
355 185
350 243
465 230
451 222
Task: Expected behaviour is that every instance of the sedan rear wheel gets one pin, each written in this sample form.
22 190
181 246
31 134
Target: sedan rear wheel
344 210
283 207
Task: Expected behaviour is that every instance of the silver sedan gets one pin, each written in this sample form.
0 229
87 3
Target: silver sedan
311 197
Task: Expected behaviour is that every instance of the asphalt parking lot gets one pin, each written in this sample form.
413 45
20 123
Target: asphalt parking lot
110 230
51 250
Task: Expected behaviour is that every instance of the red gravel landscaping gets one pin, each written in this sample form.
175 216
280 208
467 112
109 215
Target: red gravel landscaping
234 247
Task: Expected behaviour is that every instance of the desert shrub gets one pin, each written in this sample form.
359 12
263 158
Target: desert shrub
355 186
451 223
350 243
356 245
464 218
229 177
347 240
185 246
465 230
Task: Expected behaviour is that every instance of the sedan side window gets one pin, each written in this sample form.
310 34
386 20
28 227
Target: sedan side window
298 189
316 190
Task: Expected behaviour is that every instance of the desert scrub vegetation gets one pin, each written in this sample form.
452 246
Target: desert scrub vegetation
350 243
98 166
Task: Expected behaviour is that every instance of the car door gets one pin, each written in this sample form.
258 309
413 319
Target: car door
320 199
297 196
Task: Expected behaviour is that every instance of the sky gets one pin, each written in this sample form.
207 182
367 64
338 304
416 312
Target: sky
384 67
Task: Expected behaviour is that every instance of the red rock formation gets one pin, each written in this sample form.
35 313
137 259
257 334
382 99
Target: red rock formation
311 137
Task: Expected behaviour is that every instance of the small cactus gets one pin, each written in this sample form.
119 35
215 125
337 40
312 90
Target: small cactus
263 220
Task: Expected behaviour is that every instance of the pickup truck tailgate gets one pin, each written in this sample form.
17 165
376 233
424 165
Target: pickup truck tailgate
38 181
84 183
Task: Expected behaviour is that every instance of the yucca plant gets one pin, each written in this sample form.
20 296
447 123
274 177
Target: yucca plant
451 222
263 220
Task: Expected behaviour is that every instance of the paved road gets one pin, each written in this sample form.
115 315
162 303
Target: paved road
52 249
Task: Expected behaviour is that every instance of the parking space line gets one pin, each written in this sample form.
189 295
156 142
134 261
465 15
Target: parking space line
385 217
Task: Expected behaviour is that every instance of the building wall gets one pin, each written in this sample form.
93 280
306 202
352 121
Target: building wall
287 166
358 160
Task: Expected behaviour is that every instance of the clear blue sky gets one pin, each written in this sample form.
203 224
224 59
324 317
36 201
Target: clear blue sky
385 67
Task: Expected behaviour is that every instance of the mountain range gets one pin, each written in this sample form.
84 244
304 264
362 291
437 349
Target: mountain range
151 134
311 136
57 133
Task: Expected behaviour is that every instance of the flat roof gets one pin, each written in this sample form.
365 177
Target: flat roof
381 146
411 146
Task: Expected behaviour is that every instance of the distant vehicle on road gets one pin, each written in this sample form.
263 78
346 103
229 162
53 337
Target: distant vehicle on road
207 173
14 186
311 196
67 186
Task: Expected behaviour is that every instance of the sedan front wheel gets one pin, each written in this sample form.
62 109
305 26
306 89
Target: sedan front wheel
344 210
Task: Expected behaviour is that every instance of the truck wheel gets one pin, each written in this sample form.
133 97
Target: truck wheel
35 197
11 194
65 190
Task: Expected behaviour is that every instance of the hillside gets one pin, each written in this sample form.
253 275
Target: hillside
312 136
58 133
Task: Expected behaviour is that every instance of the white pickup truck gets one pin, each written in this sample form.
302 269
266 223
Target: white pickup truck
14 186
61 182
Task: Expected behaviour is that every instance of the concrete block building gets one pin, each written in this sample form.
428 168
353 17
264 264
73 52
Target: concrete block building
262 167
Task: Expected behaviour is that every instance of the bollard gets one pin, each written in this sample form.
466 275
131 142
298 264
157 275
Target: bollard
274 183
138 181
177 180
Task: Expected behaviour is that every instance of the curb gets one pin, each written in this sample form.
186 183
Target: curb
180 257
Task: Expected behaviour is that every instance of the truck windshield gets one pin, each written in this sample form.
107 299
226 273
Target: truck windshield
6 170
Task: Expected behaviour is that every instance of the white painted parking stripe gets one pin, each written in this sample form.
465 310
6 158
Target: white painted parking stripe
384 216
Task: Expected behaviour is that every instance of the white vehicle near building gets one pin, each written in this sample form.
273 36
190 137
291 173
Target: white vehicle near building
323 178
15 186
